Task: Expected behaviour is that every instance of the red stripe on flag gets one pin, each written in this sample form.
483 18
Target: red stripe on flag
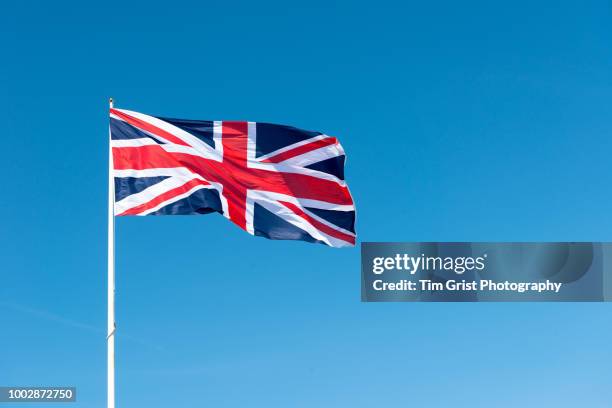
301 150
148 127
319 225
165 196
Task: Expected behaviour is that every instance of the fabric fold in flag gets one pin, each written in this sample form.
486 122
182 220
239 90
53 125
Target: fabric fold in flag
274 181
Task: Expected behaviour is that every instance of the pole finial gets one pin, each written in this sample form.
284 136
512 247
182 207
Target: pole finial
110 102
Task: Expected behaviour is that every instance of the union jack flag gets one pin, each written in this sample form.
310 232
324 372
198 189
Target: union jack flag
274 181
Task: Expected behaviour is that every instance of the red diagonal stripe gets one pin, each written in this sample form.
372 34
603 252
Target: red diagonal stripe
165 196
141 124
301 150
319 225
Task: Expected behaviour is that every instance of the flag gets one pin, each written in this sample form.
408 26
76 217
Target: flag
274 181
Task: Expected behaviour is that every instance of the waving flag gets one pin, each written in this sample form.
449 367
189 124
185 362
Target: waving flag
274 181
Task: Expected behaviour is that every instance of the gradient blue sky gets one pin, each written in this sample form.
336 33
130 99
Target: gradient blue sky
461 121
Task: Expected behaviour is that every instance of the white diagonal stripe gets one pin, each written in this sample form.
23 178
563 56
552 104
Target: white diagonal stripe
174 199
180 172
315 156
202 148
294 219
149 194
292 146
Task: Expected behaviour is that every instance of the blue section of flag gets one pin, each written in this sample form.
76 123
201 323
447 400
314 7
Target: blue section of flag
122 131
271 137
270 226
125 186
334 166
202 201
202 129
343 219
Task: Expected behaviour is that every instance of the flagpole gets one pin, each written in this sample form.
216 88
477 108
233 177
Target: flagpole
110 339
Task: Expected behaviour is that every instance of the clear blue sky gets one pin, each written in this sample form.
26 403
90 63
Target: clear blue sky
461 121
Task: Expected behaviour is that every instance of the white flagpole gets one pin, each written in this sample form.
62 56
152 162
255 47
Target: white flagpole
110 339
